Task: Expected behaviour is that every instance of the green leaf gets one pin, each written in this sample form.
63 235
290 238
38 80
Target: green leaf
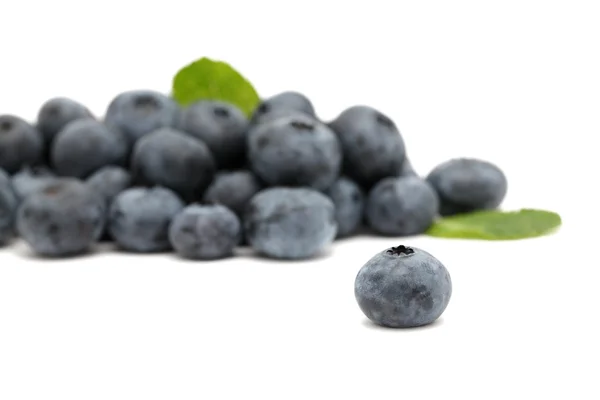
497 225
207 79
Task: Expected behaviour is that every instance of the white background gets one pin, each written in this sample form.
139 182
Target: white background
513 82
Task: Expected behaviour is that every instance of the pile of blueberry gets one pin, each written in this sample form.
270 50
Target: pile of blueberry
200 180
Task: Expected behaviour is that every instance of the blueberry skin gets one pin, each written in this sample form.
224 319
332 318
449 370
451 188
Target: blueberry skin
31 179
467 184
9 203
372 145
109 181
290 223
205 232
349 201
221 126
275 115
403 287
84 146
20 144
139 219
136 113
56 113
295 151
175 160
233 190
61 220
281 104
401 206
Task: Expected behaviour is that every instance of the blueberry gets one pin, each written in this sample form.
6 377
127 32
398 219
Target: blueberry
403 287
139 218
467 184
31 179
175 160
401 206
349 201
205 232
280 105
295 151
20 144
109 181
221 126
8 208
233 190
290 223
56 113
84 146
61 220
136 113
372 145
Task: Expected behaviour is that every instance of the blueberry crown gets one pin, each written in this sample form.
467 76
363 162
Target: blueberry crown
221 112
302 126
399 250
6 126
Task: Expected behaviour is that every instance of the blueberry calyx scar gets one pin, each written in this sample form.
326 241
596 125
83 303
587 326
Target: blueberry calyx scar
399 250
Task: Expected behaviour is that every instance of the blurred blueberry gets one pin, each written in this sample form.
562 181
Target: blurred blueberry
175 160
21 144
61 220
295 151
349 201
372 145
84 146
139 219
205 232
401 206
136 113
282 104
222 127
467 184
290 223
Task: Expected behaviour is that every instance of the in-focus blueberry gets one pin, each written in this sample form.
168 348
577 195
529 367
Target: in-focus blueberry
290 223
349 201
8 208
403 287
467 184
84 146
205 232
109 181
139 218
282 104
56 113
175 160
61 220
372 145
136 113
295 151
31 179
20 144
401 206
222 127
233 190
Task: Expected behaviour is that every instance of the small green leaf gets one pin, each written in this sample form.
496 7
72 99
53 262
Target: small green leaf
496 225
207 79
